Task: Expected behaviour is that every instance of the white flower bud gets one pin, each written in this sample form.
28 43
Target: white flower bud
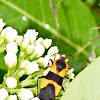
31 35
71 76
31 67
70 71
1 24
9 33
12 47
24 63
57 56
20 73
63 55
39 41
24 44
3 94
25 94
53 50
19 40
10 60
40 61
47 60
11 82
12 97
47 43
66 60
30 49
39 50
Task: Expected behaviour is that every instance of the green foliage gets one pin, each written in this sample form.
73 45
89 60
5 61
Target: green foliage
76 19
86 85
2 63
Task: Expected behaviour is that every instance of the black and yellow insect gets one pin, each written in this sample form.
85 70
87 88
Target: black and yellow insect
52 82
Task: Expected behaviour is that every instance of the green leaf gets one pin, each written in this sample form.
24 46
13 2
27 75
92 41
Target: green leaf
3 67
86 84
74 18
76 22
2 73
90 2
2 62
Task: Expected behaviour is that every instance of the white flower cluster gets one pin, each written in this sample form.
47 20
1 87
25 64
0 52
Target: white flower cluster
24 56
23 61
69 76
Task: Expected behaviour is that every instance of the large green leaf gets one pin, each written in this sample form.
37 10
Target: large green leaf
86 85
74 17
76 22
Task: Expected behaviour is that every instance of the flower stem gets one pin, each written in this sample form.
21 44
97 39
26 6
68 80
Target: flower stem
27 83
9 72
1 41
12 91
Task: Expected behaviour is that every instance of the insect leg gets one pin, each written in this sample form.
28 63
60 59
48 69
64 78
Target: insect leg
67 77
63 88
49 63
69 68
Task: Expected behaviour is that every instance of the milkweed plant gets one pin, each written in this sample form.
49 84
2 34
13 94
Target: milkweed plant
26 58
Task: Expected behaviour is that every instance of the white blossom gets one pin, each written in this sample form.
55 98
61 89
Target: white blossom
39 50
40 61
57 56
19 40
39 41
70 70
71 76
10 60
70 73
47 43
31 35
31 67
47 60
3 94
1 24
66 60
30 49
25 94
63 55
20 73
12 47
53 50
12 97
9 34
11 82
24 44
23 64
